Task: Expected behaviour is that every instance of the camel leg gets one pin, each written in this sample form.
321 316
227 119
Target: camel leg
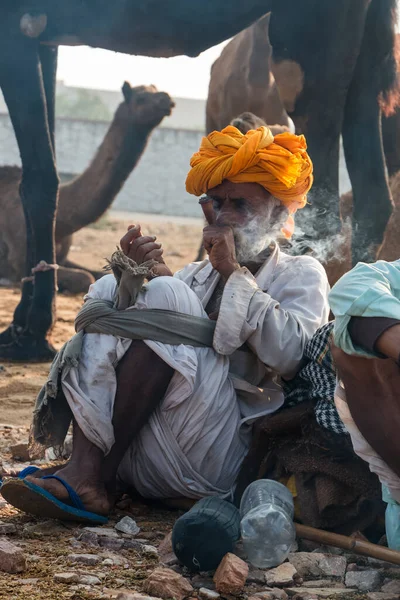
362 139
321 55
391 142
22 84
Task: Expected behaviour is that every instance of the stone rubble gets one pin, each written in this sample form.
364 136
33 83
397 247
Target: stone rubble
364 581
128 526
281 576
12 559
165 583
207 594
231 575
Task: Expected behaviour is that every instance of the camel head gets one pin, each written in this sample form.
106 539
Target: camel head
144 105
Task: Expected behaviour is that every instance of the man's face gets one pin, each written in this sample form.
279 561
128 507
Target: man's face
255 216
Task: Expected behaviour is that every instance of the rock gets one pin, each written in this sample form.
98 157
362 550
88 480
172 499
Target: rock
67 577
128 526
110 543
200 581
333 566
256 576
266 596
382 596
43 529
165 551
89 580
133 596
32 581
20 452
84 559
149 551
165 546
391 587
108 562
103 532
364 581
12 559
207 594
231 575
7 528
165 583
282 575
133 545
33 558
89 538
276 593
320 593
321 583
307 563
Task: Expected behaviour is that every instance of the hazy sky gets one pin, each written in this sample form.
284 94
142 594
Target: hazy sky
180 76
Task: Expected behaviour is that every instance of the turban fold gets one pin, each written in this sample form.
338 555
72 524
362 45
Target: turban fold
279 164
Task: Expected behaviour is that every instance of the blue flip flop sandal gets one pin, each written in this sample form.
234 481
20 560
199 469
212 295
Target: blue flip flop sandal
32 499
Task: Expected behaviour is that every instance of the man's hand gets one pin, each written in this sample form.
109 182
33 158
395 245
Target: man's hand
142 248
220 246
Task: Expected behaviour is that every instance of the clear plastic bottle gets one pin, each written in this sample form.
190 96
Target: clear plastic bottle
267 526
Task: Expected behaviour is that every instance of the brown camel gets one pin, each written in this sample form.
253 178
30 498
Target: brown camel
86 198
29 36
334 66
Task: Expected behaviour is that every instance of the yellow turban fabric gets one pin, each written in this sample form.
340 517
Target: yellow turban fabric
280 164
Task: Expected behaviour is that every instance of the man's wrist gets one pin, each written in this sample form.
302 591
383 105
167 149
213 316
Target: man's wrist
227 271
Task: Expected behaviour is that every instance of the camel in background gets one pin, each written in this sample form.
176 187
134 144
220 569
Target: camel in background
332 67
86 198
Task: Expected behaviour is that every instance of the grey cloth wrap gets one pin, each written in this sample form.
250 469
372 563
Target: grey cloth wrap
52 415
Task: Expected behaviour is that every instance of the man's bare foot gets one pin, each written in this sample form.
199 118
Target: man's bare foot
92 493
37 474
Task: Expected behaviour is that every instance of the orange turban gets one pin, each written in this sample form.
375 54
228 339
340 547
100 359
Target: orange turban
280 164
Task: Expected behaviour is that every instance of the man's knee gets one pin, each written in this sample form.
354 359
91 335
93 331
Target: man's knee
169 293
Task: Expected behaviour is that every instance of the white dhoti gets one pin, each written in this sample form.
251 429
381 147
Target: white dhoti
195 441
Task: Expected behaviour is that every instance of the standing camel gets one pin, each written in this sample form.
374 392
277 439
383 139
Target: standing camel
86 198
29 35
334 66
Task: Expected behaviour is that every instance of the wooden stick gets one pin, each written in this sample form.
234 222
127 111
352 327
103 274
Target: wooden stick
348 543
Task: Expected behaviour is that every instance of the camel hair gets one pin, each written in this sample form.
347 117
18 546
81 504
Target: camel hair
30 33
86 198
331 67
324 42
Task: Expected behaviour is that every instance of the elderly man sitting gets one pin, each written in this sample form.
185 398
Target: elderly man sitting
174 420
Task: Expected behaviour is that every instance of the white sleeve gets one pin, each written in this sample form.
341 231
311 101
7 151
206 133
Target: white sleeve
276 324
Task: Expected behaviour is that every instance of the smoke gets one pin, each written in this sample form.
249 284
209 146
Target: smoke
253 238
319 237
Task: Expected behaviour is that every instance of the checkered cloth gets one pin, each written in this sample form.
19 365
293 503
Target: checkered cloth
316 381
